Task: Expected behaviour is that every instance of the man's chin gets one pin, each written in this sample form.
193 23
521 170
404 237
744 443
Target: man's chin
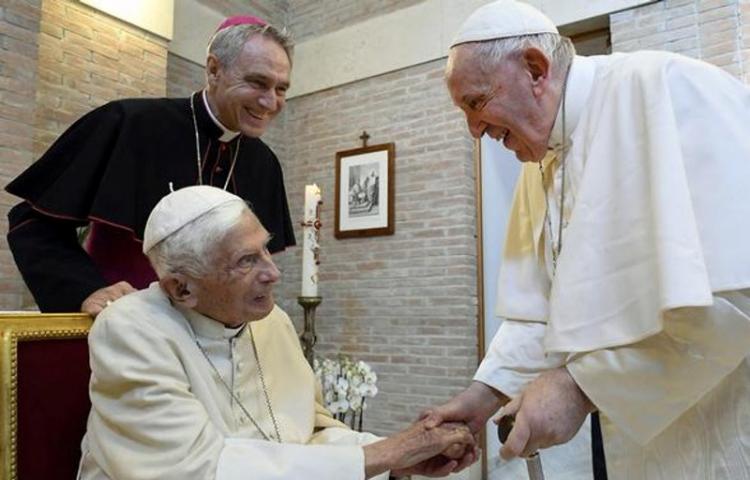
261 309
254 129
253 132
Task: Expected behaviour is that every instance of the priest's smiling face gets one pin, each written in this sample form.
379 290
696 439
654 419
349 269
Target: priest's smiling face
512 101
247 94
240 287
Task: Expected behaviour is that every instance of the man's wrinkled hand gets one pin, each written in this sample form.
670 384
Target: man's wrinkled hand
454 456
549 412
100 299
418 449
474 406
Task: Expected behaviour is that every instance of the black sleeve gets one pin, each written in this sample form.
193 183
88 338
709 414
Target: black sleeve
289 240
57 270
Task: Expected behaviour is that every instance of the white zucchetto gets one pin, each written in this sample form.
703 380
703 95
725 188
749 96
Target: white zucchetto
179 208
503 19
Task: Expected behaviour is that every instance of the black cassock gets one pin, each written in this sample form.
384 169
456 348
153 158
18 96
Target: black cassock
109 169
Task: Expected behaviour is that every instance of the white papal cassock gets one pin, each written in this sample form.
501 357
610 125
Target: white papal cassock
649 308
159 410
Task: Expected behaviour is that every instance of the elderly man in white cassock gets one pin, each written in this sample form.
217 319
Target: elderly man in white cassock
201 376
626 270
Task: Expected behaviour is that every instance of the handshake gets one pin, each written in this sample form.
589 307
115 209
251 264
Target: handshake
425 448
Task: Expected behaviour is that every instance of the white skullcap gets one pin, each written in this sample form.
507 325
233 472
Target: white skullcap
503 19
180 208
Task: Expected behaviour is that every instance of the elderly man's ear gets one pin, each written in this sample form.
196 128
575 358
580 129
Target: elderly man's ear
537 64
180 289
213 68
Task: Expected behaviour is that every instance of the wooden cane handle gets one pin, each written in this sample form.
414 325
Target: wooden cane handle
504 426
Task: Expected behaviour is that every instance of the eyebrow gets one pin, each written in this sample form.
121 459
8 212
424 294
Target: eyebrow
265 79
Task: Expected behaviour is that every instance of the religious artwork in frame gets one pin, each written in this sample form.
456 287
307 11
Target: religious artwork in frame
365 191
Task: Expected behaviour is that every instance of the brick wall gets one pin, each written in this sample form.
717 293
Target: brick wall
716 31
183 76
86 59
310 18
745 39
19 27
405 303
274 11
59 60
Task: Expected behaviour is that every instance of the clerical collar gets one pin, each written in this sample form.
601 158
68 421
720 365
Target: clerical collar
580 82
227 135
208 328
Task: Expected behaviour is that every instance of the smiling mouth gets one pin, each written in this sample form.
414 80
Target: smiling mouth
255 115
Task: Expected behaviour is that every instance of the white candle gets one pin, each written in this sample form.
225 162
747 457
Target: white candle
310 245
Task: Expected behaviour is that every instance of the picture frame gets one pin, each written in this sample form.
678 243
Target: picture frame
365 191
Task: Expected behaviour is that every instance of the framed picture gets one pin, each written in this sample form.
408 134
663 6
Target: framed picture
365 191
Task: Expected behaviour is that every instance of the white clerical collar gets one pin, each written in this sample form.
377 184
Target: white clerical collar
227 134
580 82
208 328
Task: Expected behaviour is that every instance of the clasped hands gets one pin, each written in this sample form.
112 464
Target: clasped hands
433 451
548 412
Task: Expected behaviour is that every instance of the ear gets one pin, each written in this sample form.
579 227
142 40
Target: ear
181 289
538 66
213 69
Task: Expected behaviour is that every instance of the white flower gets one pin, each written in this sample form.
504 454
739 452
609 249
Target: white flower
368 390
355 403
345 383
339 406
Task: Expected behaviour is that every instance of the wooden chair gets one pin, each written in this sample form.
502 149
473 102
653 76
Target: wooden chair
44 400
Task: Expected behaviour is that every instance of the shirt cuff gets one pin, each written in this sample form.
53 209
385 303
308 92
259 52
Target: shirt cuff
516 357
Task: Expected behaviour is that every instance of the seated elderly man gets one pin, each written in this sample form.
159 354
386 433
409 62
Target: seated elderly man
201 376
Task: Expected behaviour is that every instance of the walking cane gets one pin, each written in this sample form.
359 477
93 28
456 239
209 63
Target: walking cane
533 463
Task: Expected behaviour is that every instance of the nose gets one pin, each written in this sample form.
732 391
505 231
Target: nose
270 272
476 127
269 100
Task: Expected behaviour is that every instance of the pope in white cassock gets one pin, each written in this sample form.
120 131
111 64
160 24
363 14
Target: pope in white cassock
201 376
626 271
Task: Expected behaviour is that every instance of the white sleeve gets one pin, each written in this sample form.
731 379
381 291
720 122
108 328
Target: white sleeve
242 458
146 423
331 453
644 387
515 357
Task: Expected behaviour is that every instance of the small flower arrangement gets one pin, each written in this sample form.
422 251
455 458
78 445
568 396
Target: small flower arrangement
346 385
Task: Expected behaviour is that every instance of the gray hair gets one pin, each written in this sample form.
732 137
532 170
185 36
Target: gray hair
189 250
226 44
557 48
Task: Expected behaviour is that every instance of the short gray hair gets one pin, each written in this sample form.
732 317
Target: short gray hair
189 250
557 48
226 44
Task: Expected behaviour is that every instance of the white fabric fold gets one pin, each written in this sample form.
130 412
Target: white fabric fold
645 387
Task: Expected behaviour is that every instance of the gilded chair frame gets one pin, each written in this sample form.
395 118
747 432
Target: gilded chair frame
15 327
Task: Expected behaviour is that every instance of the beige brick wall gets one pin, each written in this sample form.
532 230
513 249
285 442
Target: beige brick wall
183 76
405 303
310 18
745 38
19 27
274 11
716 31
59 60
86 59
